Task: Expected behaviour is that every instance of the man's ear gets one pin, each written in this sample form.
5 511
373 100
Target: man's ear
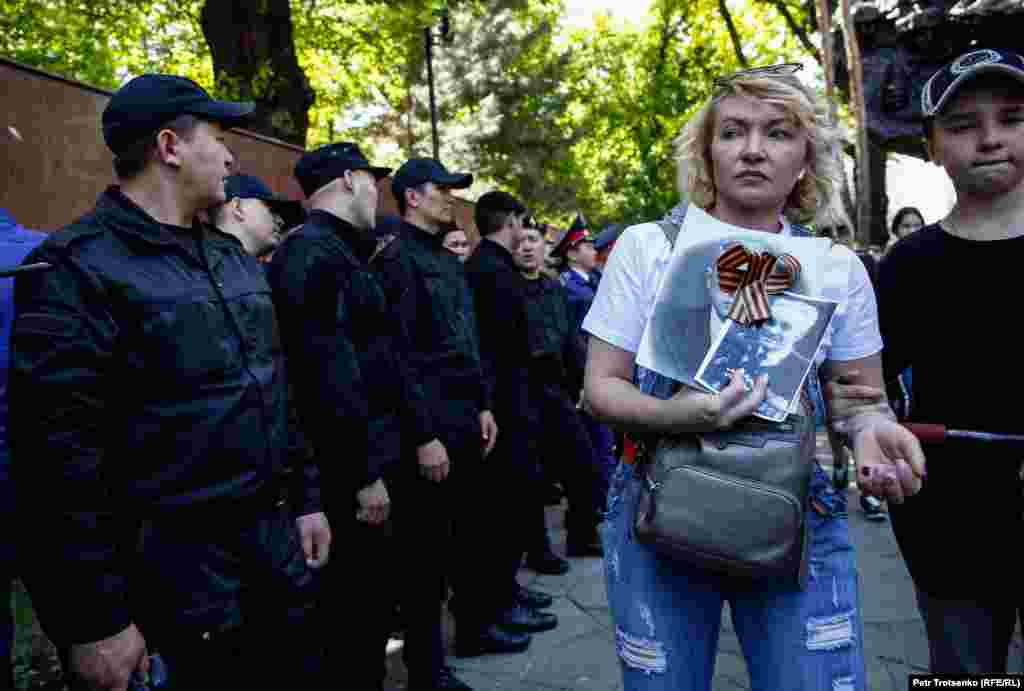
412 198
348 181
168 147
236 210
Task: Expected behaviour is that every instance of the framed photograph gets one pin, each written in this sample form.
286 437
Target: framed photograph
783 347
691 307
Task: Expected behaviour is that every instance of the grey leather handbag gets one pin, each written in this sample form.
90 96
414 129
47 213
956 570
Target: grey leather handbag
731 502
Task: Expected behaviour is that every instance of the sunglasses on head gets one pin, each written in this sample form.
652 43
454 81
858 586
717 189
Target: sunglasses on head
784 69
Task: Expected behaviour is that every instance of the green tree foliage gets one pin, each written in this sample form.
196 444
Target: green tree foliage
102 43
570 120
635 88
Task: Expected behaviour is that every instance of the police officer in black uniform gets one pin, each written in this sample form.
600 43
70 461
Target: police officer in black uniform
364 413
429 285
255 215
556 380
149 427
510 475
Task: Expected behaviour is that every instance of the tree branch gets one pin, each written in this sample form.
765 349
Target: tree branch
733 34
667 33
800 32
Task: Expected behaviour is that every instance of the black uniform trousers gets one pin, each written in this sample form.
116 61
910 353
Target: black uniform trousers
226 598
401 561
493 527
566 453
490 523
358 602
421 511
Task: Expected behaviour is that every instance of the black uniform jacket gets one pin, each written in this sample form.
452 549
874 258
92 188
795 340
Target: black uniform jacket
555 360
500 300
428 285
357 400
146 378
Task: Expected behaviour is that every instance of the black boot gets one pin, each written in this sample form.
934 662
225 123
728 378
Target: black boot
490 639
533 599
547 563
519 618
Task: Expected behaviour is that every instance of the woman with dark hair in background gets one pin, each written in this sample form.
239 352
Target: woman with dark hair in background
906 221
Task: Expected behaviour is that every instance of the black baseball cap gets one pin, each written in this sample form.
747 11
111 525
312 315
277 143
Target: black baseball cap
328 163
251 187
941 86
417 171
146 103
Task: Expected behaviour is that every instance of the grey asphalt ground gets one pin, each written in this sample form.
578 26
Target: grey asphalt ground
580 653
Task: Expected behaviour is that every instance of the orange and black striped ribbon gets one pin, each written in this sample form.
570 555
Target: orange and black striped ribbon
752 277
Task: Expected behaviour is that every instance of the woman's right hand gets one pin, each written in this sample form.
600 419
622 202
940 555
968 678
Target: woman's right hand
722 410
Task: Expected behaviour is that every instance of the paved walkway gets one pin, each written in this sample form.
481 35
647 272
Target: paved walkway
580 653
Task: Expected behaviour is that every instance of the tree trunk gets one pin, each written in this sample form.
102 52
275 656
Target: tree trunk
863 180
254 59
879 202
824 15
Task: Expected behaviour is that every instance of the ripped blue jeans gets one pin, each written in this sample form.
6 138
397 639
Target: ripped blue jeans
667 616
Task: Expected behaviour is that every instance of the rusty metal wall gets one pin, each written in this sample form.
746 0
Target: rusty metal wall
62 166
57 172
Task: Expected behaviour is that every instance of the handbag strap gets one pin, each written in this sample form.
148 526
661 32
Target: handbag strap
670 228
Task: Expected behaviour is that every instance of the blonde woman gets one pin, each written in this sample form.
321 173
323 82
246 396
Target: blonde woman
757 156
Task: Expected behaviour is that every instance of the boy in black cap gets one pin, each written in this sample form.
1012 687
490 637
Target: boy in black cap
949 285
362 410
161 502
974 109
254 215
429 286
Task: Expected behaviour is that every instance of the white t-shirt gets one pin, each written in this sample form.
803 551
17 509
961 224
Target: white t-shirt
625 298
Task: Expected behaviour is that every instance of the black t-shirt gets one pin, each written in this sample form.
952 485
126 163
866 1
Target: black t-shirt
947 308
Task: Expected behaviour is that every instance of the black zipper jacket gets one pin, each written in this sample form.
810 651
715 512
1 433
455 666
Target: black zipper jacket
147 378
555 362
427 285
357 402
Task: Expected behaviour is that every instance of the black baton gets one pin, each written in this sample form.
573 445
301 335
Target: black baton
24 268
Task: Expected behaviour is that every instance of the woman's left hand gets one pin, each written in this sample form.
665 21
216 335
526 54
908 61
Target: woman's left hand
890 460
